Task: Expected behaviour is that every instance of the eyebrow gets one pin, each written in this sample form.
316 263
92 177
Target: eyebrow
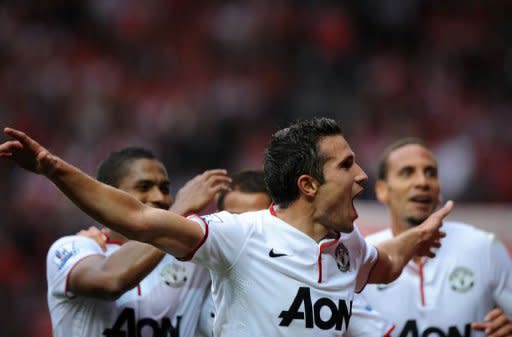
348 157
146 181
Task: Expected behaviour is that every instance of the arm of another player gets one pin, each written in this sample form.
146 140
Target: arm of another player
107 205
417 241
498 322
108 277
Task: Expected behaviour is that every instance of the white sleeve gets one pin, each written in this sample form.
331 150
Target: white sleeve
366 322
62 257
225 237
501 273
369 256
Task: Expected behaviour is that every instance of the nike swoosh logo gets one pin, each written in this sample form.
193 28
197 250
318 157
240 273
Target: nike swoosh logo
273 254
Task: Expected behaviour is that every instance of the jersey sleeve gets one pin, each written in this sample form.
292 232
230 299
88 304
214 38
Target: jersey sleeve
501 271
369 256
225 237
62 257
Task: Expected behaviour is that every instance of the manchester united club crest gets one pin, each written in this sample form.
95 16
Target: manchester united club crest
342 258
174 274
462 279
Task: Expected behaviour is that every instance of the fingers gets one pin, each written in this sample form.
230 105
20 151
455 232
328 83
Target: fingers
503 331
7 148
479 326
22 137
211 176
430 254
208 173
436 244
220 188
496 324
493 314
441 213
216 180
16 134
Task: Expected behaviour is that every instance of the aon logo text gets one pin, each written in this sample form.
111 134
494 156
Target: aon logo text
411 330
338 312
126 326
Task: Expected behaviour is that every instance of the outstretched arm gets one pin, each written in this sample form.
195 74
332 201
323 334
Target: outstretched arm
418 241
108 277
107 205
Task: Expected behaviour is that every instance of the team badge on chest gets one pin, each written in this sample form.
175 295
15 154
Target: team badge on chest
342 258
174 274
462 279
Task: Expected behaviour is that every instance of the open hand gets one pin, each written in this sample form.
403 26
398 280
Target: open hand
26 152
199 191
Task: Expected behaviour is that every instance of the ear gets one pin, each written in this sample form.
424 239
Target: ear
308 186
381 191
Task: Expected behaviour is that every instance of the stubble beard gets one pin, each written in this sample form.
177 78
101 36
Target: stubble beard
415 221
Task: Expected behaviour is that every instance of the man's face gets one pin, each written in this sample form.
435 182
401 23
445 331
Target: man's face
411 189
343 182
147 180
238 202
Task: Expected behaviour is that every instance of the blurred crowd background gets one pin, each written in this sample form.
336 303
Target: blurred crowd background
205 83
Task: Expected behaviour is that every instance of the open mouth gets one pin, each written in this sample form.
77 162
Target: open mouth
353 206
426 200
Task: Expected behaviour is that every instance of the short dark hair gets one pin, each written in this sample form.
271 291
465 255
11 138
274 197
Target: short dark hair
246 181
115 166
382 168
293 151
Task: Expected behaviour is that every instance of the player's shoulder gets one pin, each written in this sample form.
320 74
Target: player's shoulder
379 236
70 248
246 218
73 244
469 233
248 221
466 240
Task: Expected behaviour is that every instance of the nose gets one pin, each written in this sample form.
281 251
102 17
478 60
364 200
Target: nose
159 199
361 177
421 180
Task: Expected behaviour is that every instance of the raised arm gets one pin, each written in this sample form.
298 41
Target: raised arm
107 205
108 277
418 241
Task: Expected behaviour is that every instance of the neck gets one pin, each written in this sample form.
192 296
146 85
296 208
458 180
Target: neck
398 225
300 215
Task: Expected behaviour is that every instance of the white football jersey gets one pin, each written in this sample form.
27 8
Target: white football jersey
270 279
364 322
165 303
470 275
367 322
